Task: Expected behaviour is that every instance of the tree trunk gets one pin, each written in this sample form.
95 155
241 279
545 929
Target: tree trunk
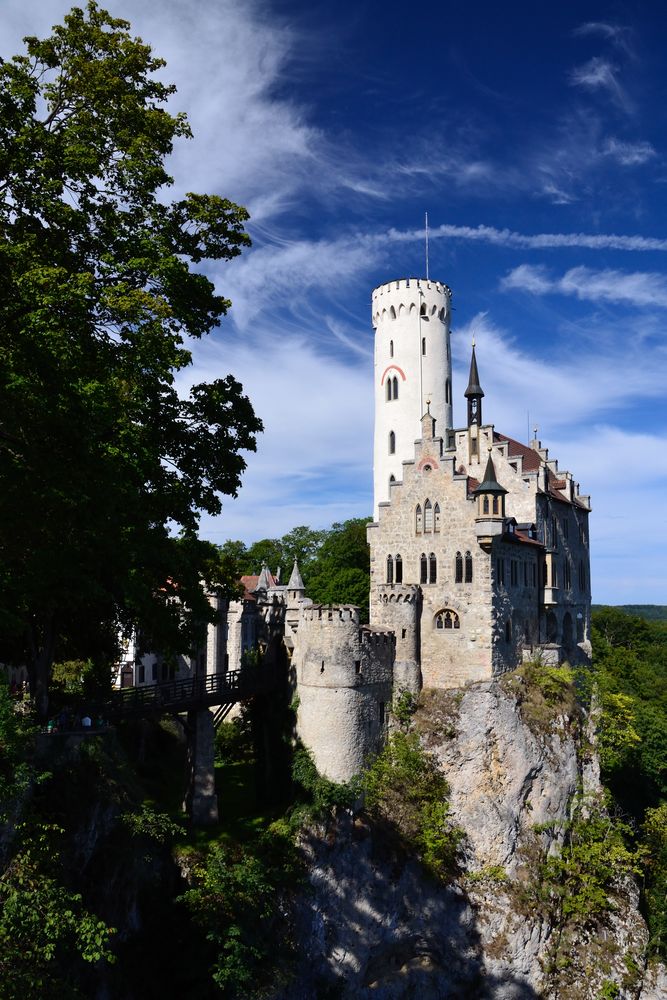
41 642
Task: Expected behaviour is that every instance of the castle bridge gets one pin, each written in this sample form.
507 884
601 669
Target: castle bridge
190 694
193 697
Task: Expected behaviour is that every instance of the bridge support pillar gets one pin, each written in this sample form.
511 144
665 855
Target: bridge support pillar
201 801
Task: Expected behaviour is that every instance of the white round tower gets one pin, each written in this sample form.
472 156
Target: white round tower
413 367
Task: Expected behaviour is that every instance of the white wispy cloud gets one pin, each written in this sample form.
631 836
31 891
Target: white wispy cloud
600 74
618 34
628 154
638 288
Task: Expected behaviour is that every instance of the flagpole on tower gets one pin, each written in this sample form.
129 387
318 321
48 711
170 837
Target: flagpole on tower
426 233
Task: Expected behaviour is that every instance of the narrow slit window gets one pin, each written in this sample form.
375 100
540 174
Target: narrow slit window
432 568
424 346
428 516
395 386
399 569
391 348
468 565
436 517
423 568
392 443
458 568
419 519
390 569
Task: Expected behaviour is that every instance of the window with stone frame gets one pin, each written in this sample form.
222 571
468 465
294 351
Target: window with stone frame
432 568
468 567
390 569
458 568
423 568
392 443
436 517
398 564
447 619
419 519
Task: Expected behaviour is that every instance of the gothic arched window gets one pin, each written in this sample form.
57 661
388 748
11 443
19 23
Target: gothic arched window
447 620
458 568
436 517
390 569
394 383
388 389
495 505
399 569
392 443
423 568
419 519
428 516
485 504
468 563
432 568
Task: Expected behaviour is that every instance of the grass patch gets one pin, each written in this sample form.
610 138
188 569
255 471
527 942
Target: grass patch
546 696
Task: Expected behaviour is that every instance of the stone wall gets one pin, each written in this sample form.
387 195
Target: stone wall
344 685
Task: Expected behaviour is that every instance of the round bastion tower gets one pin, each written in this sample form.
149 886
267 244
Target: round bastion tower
413 368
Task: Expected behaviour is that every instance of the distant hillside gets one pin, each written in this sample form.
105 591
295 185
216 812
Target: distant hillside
651 612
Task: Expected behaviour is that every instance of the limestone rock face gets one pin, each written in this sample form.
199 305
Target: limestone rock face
375 925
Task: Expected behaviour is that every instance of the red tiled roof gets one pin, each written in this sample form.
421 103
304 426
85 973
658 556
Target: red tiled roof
531 458
250 585
525 539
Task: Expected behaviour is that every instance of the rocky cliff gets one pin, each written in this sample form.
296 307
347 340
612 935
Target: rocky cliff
521 772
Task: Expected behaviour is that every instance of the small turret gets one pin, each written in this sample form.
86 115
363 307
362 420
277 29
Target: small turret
264 581
490 520
474 393
295 585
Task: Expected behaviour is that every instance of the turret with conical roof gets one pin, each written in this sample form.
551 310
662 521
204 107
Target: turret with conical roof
474 393
490 520
296 584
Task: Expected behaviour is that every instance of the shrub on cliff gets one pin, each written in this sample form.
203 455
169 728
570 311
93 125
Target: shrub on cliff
406 790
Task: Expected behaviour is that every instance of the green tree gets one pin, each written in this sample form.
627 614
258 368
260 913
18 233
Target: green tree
341 570
99 455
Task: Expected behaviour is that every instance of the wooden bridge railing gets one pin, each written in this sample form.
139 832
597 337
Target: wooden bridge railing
190 693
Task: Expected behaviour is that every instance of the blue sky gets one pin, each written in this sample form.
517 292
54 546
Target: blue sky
534 136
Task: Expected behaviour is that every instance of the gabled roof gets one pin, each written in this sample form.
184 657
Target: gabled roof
531 458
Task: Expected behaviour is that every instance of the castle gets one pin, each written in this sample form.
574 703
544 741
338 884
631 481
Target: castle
479 556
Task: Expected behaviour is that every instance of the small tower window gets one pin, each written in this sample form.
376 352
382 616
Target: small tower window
485 504
428 517
388 389
391 348
392 443
390 569
436 517
399 569
422 311
458 568
423 568
495 505
448 391
419 519
432 568
468 564
424 346
394 382
392 313
392 479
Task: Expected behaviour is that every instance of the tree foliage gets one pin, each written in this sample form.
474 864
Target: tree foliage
98 451
334 562
406 790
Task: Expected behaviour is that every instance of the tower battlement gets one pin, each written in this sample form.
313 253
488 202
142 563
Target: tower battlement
398 298
344 613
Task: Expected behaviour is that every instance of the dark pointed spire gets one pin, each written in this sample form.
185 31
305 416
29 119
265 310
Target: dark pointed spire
474 392
490 483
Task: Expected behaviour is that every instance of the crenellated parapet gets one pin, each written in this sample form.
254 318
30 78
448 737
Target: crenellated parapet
394 299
